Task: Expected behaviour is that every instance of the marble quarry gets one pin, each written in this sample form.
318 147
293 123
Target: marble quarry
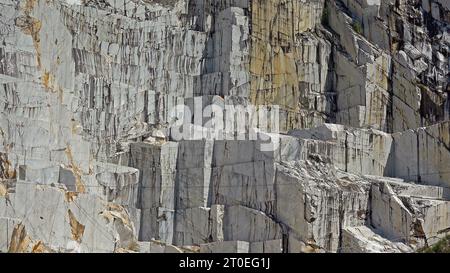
233 126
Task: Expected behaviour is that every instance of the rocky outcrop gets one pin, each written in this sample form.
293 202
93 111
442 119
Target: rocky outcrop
247 126
362 239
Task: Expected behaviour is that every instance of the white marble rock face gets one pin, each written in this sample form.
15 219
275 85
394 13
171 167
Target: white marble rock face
90 158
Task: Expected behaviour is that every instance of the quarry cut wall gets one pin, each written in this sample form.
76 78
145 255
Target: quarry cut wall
91 159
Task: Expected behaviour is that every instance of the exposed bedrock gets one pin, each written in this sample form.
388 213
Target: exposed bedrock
224 126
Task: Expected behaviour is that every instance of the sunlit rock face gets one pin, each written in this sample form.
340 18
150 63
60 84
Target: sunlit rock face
91 158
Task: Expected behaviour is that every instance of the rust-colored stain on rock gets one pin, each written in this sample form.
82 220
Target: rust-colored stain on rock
76 227
20 241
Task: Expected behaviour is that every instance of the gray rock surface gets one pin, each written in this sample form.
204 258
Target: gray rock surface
91 158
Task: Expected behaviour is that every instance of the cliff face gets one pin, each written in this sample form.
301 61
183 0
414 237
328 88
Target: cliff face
91 158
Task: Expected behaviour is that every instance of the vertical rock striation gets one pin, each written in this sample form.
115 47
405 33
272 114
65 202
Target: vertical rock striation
91 158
